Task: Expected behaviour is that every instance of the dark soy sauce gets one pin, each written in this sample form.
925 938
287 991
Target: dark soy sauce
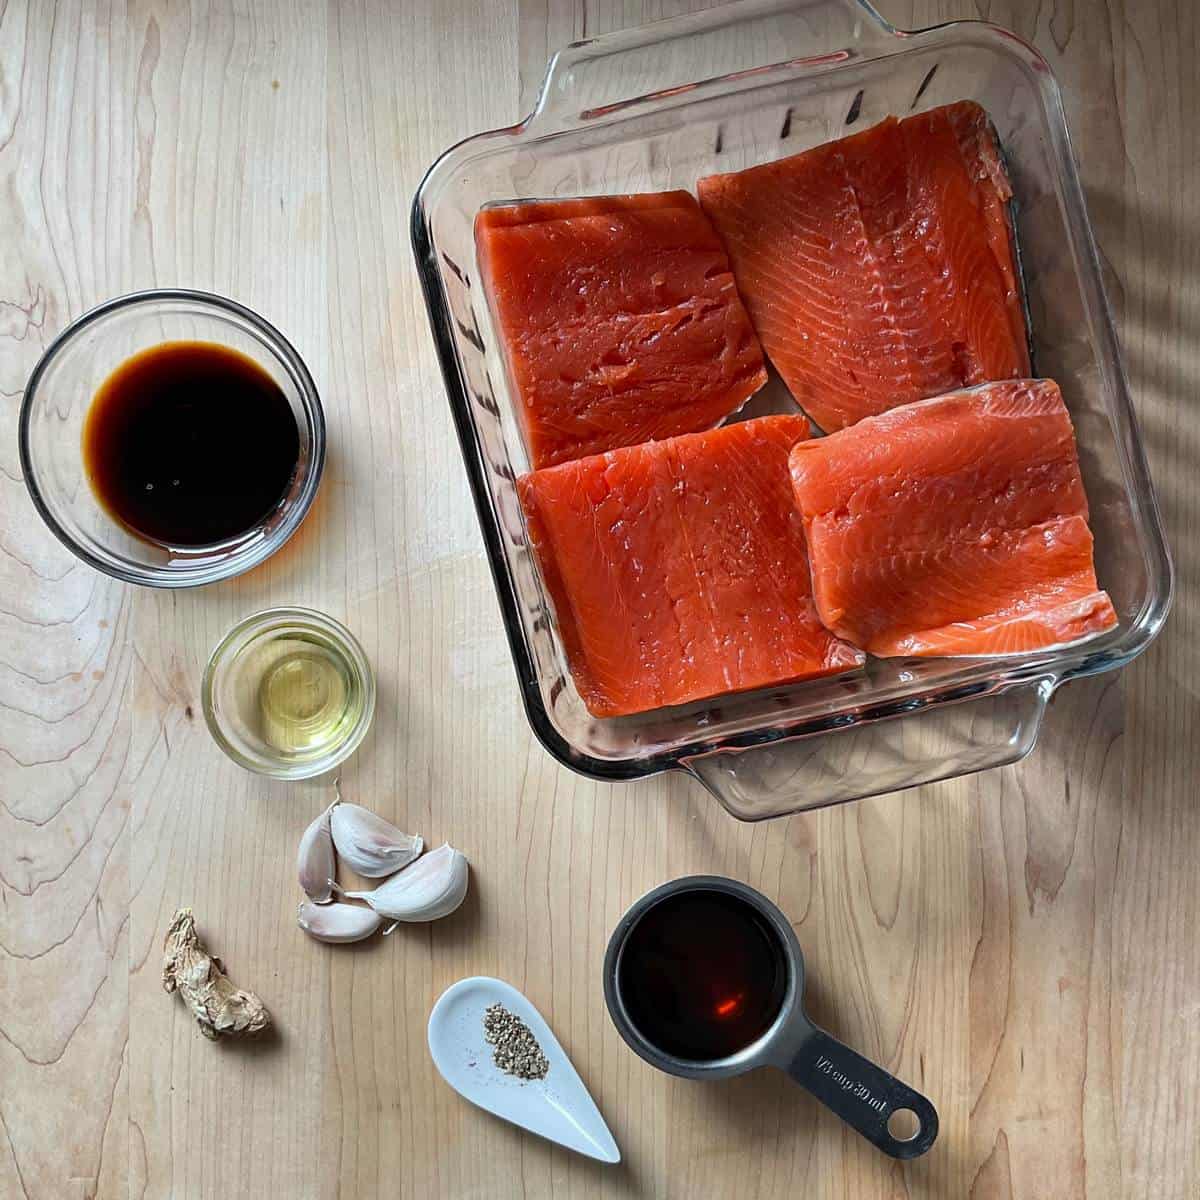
190 443
702 975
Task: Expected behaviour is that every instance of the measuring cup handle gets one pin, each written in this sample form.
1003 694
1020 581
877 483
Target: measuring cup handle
864 1095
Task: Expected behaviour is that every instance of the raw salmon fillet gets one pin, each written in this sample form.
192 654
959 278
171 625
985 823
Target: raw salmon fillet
619 320
677 568
953 526
879 269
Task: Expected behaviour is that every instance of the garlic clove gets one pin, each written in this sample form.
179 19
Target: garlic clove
433 887
337 922
315 861
370 845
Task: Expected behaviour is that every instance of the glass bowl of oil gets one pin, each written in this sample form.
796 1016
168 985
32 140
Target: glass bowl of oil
288 692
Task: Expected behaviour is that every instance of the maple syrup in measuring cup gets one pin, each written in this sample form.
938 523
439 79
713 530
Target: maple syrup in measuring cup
704 978
703 975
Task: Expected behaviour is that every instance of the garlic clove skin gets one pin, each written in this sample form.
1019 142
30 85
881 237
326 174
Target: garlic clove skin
315 860
371 846
433 887
337 922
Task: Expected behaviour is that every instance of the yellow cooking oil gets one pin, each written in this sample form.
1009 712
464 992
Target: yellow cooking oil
305 698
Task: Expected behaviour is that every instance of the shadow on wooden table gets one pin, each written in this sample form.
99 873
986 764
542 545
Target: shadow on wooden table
1158 320
1139 250
266 1044
617 1179
759 1107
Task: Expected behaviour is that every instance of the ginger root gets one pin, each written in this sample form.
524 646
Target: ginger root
220 1009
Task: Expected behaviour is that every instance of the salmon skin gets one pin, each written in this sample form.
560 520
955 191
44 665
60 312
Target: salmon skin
618 318
953 526
677 568
879 269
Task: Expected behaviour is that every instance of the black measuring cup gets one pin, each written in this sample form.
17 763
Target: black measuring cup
887 1112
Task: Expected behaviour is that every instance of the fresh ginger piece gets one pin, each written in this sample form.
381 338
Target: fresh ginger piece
220 1009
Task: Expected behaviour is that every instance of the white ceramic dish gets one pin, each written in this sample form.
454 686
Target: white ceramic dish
558 1108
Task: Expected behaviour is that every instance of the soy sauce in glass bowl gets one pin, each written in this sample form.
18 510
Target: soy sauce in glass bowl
172 438
190 443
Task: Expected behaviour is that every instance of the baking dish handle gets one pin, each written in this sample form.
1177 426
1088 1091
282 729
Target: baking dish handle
593 78
884 755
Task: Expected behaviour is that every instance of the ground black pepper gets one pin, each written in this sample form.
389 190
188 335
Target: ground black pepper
514 1048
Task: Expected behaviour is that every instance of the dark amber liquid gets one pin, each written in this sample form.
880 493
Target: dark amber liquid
190 443
702 975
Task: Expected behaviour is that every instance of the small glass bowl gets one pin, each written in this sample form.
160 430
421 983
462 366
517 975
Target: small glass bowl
245 665
55 406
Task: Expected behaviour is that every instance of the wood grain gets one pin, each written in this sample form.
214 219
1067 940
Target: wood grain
1021 944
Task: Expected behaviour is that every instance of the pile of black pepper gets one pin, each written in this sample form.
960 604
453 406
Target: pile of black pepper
514 1048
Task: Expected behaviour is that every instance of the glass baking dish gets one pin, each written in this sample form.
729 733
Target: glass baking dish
656 108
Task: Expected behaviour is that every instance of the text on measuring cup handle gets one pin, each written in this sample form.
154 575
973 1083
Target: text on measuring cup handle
859 1091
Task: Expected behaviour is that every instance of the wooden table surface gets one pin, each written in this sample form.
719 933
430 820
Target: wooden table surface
1022 944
